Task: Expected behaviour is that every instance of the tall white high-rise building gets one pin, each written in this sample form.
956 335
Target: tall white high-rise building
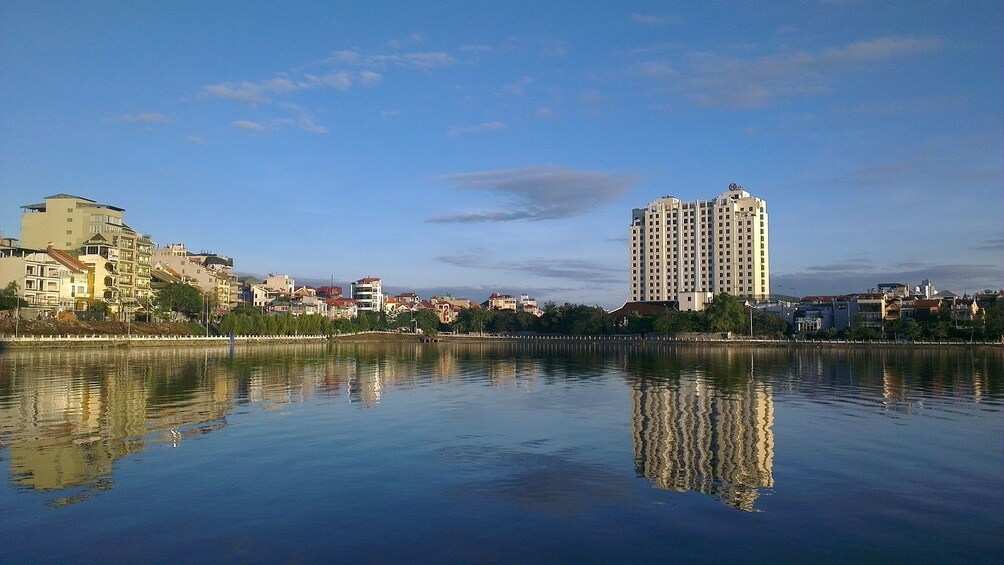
682 250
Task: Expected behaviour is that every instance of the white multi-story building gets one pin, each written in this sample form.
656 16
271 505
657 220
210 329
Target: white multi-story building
697 249
51 281
368 294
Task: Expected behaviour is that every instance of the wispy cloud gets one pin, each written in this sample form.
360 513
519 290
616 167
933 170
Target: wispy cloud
519 86
262 92
593 100
346 69
306 123
650 20
196 139
569 269
538 193
655 69
993 244
419 60
142 118
477 48
457 131
249 126
555 49
715 80
855 276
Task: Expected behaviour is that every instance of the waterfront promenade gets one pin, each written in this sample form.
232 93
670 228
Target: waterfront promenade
58 341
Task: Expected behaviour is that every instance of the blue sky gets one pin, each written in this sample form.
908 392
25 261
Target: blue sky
476 147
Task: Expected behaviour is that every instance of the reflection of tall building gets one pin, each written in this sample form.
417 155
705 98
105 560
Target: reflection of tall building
687 436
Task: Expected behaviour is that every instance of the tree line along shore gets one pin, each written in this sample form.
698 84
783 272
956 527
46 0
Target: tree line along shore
724 317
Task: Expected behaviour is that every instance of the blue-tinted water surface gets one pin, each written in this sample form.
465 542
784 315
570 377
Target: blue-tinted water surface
501 453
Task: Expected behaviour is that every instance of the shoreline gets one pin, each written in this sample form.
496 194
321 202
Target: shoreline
117 341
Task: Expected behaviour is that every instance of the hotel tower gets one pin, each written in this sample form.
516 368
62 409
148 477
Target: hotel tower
688 251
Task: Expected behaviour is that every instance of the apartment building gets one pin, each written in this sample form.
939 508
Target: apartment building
212 273
51 281
368 294
700 248
499 302
78 225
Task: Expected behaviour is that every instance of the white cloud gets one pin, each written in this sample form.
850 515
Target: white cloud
650 20
196 139
249 126
367 78
306 123
287 84
420 60
555 49
716 80
656 69
142 118
519 86
477 48
457 131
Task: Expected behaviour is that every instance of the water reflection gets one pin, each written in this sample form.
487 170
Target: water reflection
705 429
701 418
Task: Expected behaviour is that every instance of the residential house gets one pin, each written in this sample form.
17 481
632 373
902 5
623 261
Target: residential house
342 308
499 302
368 294
329 291
282 284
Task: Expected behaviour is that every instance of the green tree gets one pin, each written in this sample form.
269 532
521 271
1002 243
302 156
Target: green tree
427 321
183 298
472 320
993 322
859 330
726 314
638 324
589 320
769 324
8 297
673 322
525 322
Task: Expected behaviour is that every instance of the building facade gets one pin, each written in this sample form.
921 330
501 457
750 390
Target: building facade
368 294
705 246
77 225
213 274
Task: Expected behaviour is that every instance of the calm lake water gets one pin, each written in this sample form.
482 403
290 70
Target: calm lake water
501 453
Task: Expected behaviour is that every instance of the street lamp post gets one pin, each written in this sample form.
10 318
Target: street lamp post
750 306
17 316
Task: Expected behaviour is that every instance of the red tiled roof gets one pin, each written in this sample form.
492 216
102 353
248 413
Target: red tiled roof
66 260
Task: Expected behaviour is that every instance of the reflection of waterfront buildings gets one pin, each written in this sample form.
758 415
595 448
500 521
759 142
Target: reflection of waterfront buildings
902 380
68 431
688 436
